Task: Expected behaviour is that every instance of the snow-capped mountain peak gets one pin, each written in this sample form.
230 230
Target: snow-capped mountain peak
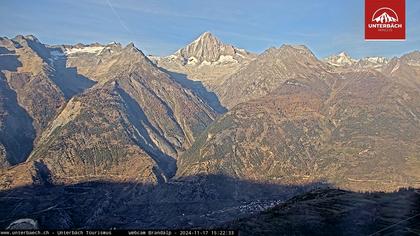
207 49
342 59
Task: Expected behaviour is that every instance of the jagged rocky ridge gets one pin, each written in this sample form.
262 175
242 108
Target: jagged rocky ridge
204 65
207 49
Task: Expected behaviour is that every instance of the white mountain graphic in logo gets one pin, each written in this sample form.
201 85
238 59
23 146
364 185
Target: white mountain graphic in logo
385 18
388 15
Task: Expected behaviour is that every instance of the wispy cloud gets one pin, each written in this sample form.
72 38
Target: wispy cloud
118 17
146 7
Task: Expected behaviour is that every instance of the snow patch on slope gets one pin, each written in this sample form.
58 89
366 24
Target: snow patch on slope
192 61
94 49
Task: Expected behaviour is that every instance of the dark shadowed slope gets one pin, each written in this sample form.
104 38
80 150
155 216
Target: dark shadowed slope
210 98
197 201
337 212
211 201
16 130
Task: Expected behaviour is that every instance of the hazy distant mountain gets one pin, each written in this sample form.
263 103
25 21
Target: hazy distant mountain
343 61
376 63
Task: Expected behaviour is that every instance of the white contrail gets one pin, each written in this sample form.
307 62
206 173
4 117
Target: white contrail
118 16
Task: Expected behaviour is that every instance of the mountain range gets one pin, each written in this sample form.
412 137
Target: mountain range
198 138
117 111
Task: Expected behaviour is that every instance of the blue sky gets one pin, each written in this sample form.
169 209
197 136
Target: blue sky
160 27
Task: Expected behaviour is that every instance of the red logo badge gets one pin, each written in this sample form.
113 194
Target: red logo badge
385 19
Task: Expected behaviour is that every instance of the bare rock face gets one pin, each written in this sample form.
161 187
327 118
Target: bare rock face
204 51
